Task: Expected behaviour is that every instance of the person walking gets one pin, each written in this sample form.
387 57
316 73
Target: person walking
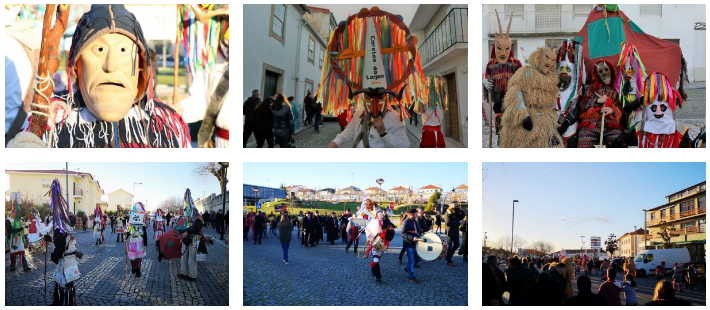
250 119
453 218
263 128
285 228
317 110
410 236
282 122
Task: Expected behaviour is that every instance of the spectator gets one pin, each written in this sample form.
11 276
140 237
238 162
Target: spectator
609 291
585 297
263 129
250 119
664 295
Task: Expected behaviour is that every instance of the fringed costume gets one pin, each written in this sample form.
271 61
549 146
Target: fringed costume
660 101
529 118
590 110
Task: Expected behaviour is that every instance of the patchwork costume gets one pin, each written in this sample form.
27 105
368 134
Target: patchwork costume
136 240
66 252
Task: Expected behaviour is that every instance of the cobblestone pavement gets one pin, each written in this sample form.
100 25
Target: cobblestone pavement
691 115
308 138
327 276
105 279
645 286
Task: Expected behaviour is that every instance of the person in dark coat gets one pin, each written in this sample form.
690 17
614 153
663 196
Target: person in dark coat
343 224
250 119
331 225
285 227
453 218
259 224
585 297
263 130
493 282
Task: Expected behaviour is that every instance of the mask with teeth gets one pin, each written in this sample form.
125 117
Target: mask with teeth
108 71
604 73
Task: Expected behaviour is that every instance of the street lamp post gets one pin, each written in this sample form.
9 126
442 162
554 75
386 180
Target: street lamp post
512 227
224 199
645 232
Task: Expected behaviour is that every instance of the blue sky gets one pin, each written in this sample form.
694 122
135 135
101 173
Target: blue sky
363 175
160 180
558 202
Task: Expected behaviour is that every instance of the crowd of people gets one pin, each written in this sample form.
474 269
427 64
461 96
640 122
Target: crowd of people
313 228
273 119
548 281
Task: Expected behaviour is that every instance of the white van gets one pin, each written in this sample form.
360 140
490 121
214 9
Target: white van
647 260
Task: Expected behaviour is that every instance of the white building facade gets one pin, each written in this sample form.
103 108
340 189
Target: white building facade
546 25
442 31
283 51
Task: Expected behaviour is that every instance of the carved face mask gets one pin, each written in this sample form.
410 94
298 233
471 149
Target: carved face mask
503 47
547 63
565 78
108 73
659 118
604 73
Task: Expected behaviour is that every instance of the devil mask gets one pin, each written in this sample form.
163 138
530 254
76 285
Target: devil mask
502 44
603 72
108 56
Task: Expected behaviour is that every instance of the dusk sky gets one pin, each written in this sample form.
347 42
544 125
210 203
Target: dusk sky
160 180
558 202
363 175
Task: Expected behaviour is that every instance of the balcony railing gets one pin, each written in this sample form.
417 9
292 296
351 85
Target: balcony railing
692 212
451 30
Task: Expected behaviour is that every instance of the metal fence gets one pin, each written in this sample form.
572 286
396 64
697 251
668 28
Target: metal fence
451 30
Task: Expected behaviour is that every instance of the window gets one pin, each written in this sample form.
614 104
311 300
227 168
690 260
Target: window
651 10
701 202
581 9
321 58
671 211
311 50
515 10
548 17
553 43
663 213
278 20
686 205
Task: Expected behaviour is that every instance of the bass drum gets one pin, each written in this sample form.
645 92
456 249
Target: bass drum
432 246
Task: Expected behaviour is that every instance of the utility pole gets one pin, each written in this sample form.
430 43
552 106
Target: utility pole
512 228
66 178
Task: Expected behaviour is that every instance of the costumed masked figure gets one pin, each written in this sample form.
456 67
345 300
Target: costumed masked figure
159 224
109 101
36 230
600 99
15 234
379 232
371 63
630 76
99 225
500 68
570 66
529 118
204 33
660 101
66 252
191 229
432 113
136 240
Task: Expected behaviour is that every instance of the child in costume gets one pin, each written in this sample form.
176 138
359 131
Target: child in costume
136 240
529 116
99 225
159 224
660 101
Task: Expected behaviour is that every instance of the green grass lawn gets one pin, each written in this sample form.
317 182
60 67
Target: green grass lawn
164 76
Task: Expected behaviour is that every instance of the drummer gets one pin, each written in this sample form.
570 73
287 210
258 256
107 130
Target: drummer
410 235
